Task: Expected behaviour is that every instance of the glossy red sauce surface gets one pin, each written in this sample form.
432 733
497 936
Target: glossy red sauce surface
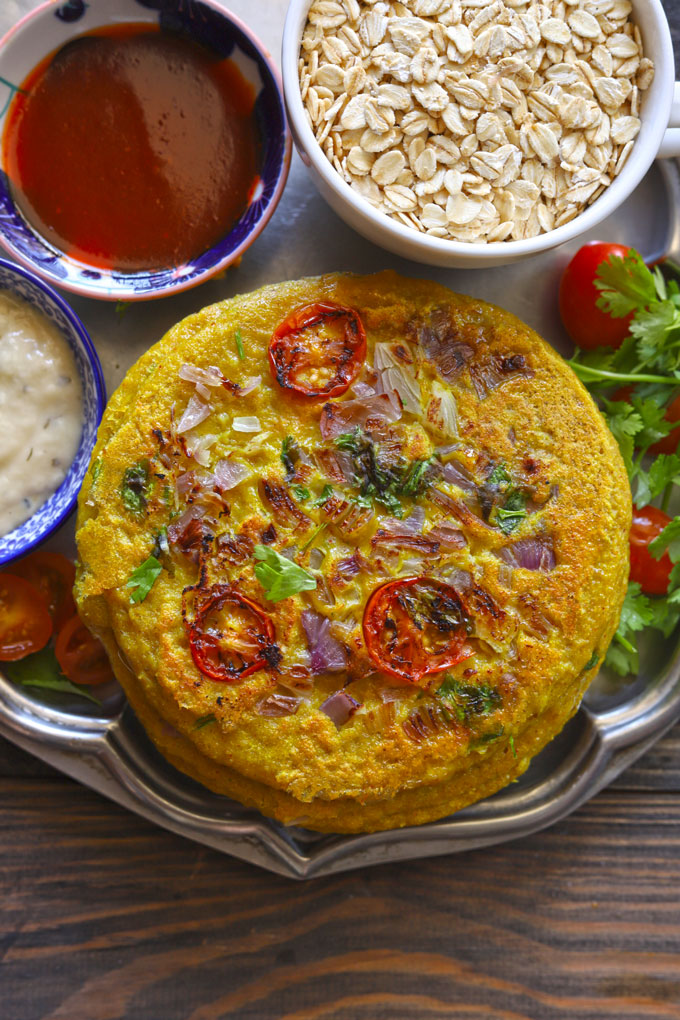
132 149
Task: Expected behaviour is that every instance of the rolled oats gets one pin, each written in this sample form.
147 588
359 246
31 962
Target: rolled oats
474 120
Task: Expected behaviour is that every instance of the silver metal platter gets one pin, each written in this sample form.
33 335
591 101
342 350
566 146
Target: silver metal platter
108 750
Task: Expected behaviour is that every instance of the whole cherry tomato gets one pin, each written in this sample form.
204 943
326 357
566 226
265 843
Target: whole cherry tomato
587 325
415 627
53 575
81 655
651 574
25 624
318 350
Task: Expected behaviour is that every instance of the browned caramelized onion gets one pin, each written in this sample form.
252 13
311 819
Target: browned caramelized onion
340 416
495 370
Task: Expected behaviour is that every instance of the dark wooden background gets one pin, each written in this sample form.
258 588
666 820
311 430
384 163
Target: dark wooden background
104 917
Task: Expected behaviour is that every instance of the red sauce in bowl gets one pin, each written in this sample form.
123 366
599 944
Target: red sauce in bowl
132 149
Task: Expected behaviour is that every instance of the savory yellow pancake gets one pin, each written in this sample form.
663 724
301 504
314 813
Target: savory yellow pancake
355 546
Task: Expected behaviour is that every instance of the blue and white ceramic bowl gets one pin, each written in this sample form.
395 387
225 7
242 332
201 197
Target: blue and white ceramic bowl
48 28
56 509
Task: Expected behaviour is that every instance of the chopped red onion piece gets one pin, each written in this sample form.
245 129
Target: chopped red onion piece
278 705
198 447
196 412
411 525
458 475
210 376
340 416
185 483
326 654
530 554
448 536
340 707
228 473
248 423
361 390
496 370
249 386
334 464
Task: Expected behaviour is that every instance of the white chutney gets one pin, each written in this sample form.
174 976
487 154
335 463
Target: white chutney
41 410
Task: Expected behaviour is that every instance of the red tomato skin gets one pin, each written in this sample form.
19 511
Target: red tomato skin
651 574
53 575
81 655
587 325
669 443
25 623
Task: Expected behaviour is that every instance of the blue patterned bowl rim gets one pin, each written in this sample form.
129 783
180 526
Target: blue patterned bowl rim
207 22
54 511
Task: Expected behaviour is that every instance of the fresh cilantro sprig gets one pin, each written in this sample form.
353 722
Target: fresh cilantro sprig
279 576
647 366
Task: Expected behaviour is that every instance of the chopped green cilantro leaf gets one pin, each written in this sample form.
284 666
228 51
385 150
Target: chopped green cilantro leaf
416 479
315 534
511 742
499 475
239 344
625 284
469 700
301 492
290 452
279 576
134 487
41 669
511 515
143 578
96 470
592 661
204 720
326 494
350 442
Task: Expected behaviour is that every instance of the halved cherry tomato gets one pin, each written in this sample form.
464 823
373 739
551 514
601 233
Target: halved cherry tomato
53 575
318 350
25 624
415 627
587 325
651 574
81 655
227 646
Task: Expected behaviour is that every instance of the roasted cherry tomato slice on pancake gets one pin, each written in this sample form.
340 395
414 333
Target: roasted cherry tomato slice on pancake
651 574
25 623
415 627
587 325
231 636
318 350
53 575
81 655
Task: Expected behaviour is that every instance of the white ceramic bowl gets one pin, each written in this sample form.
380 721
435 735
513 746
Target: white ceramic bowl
56 508
659 108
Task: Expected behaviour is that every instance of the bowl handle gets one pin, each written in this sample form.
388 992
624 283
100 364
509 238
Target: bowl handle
670 143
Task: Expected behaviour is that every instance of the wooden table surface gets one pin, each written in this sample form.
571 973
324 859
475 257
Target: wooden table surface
104 917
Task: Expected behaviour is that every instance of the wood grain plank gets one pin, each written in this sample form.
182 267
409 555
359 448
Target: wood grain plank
581 922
